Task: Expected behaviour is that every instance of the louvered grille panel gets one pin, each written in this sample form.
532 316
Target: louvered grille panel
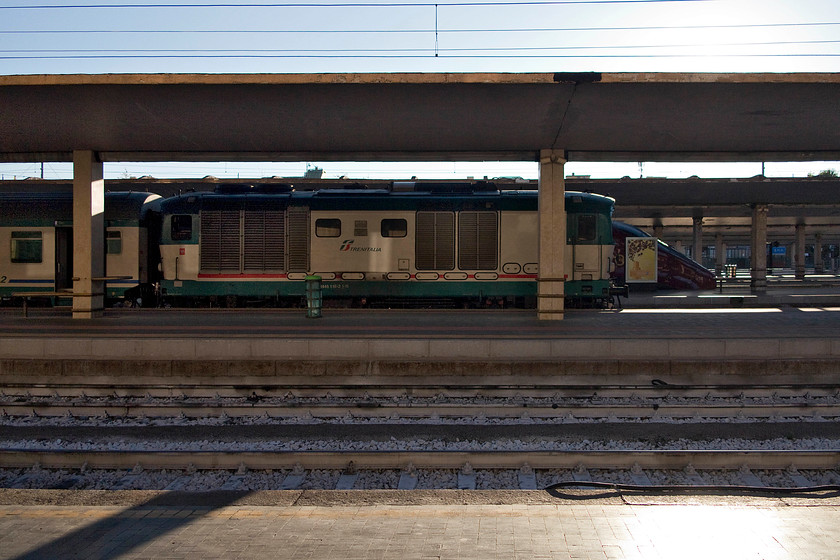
488 241
254 242
477 241
468 240
424 251
298 247
445 243
209 239
435 241
231 242
275 241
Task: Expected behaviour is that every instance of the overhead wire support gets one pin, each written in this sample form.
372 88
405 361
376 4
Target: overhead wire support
436 30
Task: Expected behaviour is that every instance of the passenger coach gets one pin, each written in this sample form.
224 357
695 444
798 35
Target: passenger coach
36 242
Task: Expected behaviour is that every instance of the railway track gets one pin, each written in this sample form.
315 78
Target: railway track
349 403
793 471
408 390
554 412
65 434
397 460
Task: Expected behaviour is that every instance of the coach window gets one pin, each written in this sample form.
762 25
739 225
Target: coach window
113 242
181 229
394 228
27 247
327 227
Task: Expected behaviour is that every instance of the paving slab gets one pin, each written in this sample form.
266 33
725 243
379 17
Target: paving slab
464 525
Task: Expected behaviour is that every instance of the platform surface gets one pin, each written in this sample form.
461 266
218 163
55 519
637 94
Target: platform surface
789 323
449 525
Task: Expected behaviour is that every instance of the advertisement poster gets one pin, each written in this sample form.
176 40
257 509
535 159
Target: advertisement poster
641 259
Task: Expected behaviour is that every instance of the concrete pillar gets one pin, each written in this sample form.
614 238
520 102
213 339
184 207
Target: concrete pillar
551 279
818 260
799 264
720 254
697 239
88 235
758 250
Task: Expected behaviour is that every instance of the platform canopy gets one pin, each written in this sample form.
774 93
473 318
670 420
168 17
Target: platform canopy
409 117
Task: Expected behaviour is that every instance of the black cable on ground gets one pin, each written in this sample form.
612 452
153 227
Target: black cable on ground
697 488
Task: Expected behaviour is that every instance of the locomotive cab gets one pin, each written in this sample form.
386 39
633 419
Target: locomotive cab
589 247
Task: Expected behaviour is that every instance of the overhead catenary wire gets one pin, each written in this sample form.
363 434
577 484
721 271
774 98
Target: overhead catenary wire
544 51
426 48
420 49
423 31
430 53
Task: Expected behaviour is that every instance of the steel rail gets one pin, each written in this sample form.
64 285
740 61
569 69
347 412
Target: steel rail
383 460
422 411
267 390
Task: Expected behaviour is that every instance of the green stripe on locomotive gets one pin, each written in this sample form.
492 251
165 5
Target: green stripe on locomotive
378 288
351 288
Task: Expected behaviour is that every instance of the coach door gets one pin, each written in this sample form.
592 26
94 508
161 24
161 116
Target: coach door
63 258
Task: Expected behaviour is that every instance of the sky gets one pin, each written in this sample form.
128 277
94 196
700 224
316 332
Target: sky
264 36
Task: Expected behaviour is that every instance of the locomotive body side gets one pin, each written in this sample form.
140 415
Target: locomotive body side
375 247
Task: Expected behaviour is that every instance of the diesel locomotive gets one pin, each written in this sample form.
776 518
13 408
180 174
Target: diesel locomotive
410 244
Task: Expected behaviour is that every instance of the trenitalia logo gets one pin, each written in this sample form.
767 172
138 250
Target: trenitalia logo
347 245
